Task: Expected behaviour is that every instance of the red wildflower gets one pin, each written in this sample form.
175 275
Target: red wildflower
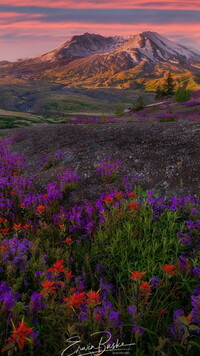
40 209
120 214
132 194
15 174
133 206
45 195
1 219
72 289
188 318
93 298
136 275
48 287
75 300
3 248
22 205
169 269
69 274
119 195
26 226
145 288
4 231
17 226
61 226
57 267
108 200
97 317
68 241
162 311
12 193
19 335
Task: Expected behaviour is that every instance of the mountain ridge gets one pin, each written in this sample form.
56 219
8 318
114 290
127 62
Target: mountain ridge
92 60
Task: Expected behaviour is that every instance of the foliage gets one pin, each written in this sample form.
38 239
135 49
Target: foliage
182 94
109 169
119 109
126 267
139 104
167 89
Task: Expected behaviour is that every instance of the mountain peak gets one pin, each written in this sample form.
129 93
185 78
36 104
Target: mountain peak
89 58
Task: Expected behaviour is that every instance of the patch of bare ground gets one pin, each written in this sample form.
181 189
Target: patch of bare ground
164 155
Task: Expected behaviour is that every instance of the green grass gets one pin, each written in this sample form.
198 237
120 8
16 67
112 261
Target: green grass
135 243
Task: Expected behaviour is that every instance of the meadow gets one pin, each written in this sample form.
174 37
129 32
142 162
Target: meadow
121 274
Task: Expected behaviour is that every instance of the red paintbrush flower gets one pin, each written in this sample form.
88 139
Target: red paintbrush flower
75 300
93 298
69 274
136 275
145 288
133 206
40 209
119 195
19 335
17 226
108 200
48 287
132 195
4 231
57 267
168 269
68 241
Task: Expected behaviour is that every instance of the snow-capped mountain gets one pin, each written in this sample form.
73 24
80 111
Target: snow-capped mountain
95 60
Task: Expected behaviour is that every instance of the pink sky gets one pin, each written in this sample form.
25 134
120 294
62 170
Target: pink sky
103 4
28 28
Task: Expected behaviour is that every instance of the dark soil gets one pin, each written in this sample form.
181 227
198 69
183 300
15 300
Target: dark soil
164 155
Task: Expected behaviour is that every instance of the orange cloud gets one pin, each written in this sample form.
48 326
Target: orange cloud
110 4
28 39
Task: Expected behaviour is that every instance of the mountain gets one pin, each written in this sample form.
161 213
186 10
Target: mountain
92 60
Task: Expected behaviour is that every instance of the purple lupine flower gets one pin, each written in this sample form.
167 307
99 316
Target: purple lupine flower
138 330
132 310
185 238
196 271
190 224
36 302
7 297
34 335
183 263
154 282
114 319
106 288
196 309
196 290
176 328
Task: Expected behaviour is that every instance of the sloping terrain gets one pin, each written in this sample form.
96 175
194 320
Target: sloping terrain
91 60
164 155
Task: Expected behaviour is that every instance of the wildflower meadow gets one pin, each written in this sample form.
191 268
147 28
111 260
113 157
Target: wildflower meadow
119 275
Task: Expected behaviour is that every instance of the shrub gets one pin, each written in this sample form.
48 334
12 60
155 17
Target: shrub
139 104
182 94
119 109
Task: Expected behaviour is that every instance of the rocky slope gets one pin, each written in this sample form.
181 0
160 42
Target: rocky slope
91 60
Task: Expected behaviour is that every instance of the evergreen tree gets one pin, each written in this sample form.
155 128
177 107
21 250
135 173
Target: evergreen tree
169 85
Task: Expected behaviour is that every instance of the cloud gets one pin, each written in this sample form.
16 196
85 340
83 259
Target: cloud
108 4
42 25
123 16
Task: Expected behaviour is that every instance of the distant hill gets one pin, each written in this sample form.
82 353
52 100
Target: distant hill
91 60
